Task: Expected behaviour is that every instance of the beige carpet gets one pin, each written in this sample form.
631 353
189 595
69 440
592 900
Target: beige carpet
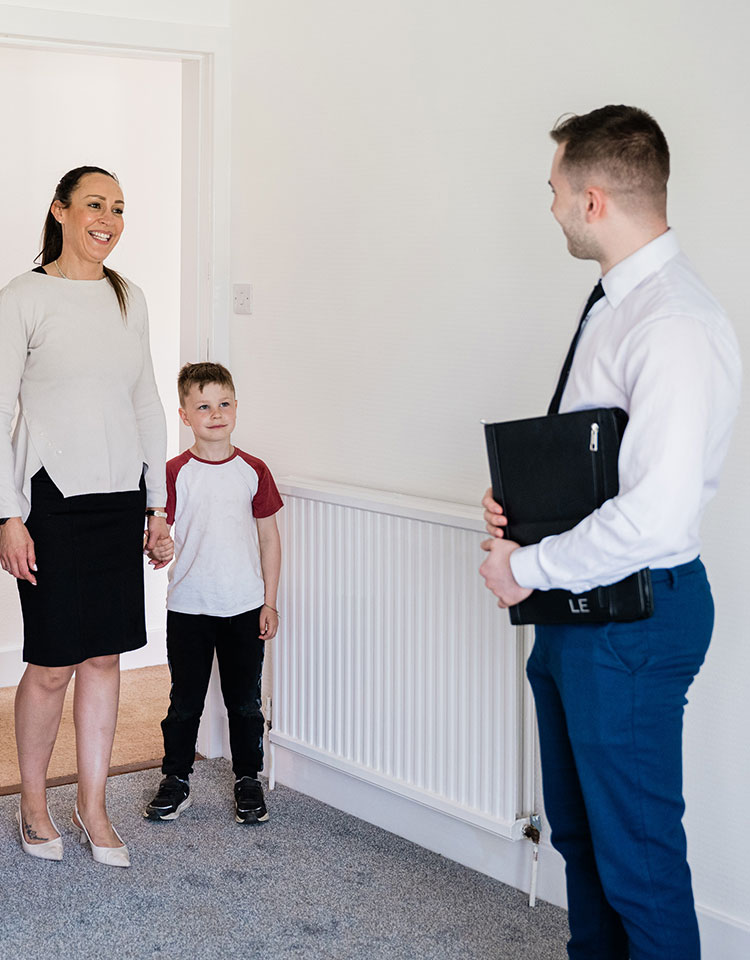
144 696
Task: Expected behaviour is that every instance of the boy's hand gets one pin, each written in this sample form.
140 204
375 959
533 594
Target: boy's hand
159 547
162 552
269 623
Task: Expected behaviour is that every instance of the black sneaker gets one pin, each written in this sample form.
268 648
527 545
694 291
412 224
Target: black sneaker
249 805
172 797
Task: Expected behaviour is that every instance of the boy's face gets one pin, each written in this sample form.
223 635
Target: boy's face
210 413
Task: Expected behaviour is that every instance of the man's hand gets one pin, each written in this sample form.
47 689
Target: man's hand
17 554
494 517
498 574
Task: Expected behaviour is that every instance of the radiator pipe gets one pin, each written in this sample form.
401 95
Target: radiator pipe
533 831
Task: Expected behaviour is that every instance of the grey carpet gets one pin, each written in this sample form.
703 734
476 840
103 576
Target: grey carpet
312 882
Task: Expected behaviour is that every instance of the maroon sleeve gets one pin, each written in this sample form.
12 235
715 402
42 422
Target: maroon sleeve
267 499
173 468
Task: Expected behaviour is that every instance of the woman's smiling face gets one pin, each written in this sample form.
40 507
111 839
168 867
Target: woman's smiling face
93 222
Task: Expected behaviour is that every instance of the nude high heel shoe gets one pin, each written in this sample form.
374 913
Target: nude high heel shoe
50 850
111 856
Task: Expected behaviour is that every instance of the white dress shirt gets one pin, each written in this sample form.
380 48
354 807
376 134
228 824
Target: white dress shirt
659 346
88 408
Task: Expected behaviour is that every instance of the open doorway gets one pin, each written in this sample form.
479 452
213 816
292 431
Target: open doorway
125 114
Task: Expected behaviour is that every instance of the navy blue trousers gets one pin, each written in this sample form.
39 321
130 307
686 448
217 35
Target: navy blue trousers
610 700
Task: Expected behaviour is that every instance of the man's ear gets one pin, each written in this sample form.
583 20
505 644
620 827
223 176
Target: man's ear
595 203
183 416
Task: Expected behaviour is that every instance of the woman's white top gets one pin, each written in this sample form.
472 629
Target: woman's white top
88 408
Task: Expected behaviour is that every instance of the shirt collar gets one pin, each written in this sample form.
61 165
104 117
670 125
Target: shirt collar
628 273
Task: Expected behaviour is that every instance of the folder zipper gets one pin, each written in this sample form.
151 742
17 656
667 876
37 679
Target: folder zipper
596 463
594 439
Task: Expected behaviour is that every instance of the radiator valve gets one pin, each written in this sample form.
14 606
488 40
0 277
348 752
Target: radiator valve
533 830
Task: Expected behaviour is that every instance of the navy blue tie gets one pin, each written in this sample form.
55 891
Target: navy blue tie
596 294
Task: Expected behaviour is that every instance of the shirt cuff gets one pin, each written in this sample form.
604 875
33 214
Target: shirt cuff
524 563
156 495
11 508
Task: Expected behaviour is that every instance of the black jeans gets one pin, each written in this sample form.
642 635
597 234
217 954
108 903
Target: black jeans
191 641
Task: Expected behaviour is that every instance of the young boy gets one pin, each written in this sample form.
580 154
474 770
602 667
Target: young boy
221 594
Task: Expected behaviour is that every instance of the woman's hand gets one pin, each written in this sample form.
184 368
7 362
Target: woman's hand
17 554
159 546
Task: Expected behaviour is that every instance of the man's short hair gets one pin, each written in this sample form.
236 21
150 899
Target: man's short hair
198 375
624 144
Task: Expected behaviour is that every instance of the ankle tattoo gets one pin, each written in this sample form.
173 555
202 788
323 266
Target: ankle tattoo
31 834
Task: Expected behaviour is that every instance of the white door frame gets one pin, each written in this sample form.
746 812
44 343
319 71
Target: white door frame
204 52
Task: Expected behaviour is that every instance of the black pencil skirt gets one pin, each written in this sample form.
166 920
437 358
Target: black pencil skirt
88 601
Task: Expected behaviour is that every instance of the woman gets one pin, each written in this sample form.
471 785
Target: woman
86 460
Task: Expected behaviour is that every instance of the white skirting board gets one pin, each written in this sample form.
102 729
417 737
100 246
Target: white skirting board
722 937
453 837
213 734
11 667
154 653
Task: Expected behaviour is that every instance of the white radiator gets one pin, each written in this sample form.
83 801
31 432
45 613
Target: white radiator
393 663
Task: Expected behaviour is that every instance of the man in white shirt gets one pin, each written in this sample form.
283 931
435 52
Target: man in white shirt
610 696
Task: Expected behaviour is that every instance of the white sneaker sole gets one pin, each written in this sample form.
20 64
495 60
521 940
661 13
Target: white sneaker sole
171 816
257 819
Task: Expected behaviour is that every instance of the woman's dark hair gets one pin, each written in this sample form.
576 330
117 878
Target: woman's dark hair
52 238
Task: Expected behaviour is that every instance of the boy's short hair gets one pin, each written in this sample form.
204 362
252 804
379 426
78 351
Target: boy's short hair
199 374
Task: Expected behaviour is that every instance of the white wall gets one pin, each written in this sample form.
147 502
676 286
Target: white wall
390 162
389 173
194 12
124 115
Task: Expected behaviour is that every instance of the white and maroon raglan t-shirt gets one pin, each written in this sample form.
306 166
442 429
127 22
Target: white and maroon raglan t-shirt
214 506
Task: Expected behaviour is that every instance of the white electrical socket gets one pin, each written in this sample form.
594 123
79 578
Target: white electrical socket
243 298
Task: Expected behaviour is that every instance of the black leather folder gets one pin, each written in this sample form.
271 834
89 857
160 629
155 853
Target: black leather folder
548 473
